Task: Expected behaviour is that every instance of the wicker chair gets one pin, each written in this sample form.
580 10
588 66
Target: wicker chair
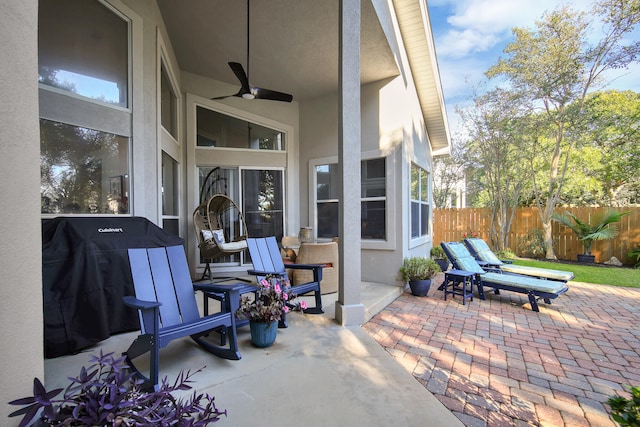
220 229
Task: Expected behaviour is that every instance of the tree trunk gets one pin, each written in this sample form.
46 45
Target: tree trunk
548 238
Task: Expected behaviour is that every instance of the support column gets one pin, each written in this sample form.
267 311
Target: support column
349 308
21 250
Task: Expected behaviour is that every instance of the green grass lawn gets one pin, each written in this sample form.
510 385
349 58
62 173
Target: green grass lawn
615 276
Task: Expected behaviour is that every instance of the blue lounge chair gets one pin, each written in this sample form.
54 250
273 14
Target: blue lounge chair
168 310
535 288
486 258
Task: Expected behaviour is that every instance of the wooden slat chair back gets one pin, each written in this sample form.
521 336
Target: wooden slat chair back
266 259
168 310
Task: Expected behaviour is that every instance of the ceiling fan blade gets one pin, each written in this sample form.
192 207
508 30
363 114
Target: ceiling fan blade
246 90
238 70
272 95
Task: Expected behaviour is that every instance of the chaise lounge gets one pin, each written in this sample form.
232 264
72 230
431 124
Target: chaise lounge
488 260
534 288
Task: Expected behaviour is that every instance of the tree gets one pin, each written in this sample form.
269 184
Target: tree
553 68
613 129
448 176
497 130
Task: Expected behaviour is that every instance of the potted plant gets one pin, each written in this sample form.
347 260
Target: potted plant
601 230
271 302
107 393
437 253
418 271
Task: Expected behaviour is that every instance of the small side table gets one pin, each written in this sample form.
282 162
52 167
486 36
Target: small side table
459 282
229 301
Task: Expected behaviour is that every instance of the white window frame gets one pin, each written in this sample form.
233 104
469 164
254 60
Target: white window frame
390 205
167 143
76 110
425 238
197 157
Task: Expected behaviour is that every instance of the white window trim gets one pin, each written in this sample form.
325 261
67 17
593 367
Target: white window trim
77 110
420 240
206 156
167 143
390 207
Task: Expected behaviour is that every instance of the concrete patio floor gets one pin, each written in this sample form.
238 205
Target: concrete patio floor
495 363
316 374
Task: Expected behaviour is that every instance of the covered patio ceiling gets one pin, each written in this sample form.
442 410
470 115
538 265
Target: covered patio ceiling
294 43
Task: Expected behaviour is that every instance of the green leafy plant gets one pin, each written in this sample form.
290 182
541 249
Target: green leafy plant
533 243
437 253
626 411
635 253
271 301
601 230
469 234
506 254
107 393
418 268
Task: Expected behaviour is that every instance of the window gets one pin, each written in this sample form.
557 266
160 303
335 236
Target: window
419 202
373 194
170 194
168 103
83 49
82 171
258 192
85 120
373 199
263 202
223 131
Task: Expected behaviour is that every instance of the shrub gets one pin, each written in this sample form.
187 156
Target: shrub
506 254
532 245
635 253
418 268
626 412
437 252
107 393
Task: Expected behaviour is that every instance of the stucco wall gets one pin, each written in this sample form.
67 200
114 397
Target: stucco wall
391 123
20 259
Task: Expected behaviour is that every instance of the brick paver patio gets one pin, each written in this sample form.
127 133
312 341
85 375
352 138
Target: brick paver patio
496 363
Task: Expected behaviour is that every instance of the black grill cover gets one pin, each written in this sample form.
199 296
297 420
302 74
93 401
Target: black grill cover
85 274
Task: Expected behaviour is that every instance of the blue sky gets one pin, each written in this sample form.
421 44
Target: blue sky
470 36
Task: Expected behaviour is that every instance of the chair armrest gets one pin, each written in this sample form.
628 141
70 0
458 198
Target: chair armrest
305 266
218 288
265 273
134 302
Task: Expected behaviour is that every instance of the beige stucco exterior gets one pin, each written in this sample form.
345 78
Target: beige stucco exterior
392 123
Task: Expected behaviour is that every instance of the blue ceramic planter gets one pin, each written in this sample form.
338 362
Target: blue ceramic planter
263 334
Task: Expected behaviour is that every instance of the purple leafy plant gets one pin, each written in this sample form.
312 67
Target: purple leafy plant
107 393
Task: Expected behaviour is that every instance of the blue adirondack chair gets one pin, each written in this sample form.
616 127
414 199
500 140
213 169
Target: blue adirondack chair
167 306
266 259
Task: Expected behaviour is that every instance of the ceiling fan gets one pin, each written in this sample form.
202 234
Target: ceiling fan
247 91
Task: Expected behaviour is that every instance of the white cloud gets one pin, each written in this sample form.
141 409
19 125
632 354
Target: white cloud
458 44
479 25
477 32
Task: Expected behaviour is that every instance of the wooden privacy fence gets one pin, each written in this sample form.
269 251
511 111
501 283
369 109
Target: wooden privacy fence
454 224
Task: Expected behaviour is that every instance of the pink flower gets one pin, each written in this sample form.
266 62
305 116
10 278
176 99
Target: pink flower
277 288
285 296
285 309
303 305
265 283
